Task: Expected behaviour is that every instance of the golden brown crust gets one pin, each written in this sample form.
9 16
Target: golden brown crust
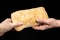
28 17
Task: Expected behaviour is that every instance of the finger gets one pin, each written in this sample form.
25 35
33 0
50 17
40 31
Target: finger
45 21
16 24
44 27
7 20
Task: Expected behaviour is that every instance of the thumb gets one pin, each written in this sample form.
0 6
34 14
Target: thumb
16 24
42 27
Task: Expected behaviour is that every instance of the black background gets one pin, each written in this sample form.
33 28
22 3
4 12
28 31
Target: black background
52 8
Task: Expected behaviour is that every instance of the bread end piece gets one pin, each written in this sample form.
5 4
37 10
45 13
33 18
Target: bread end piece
28 17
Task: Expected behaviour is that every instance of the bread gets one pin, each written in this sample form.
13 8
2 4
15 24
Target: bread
28 17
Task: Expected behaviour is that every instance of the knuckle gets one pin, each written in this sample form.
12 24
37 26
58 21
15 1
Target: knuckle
52 18
8 19
42 29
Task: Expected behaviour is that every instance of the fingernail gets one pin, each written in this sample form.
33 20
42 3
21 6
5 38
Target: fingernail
37 19
20 23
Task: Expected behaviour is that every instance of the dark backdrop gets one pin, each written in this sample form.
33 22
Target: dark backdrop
52 8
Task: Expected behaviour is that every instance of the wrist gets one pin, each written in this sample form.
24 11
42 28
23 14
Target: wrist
58 23
1 30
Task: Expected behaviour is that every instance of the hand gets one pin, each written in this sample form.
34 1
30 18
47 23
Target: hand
7 25
48 23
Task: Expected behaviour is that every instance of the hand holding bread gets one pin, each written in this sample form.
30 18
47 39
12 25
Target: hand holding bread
28 17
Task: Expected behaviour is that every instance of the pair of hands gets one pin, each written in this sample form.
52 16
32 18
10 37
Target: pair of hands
7 25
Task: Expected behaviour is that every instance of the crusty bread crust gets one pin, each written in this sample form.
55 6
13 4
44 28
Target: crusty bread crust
28 17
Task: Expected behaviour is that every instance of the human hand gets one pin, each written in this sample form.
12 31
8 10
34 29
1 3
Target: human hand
48 23
7 25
